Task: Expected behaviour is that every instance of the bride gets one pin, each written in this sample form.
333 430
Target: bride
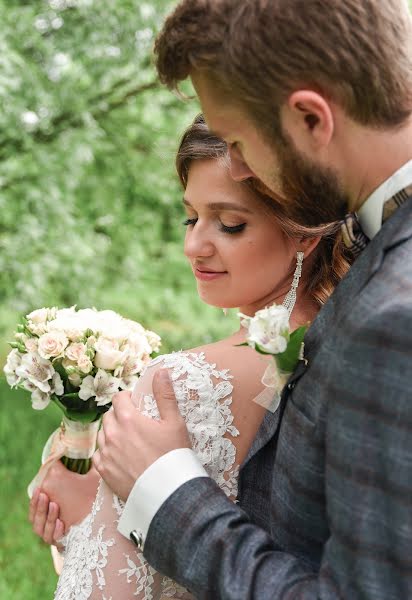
243 253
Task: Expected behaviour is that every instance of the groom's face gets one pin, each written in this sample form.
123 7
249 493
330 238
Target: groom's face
310 193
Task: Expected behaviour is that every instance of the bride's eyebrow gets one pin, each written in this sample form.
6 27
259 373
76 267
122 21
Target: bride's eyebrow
222 206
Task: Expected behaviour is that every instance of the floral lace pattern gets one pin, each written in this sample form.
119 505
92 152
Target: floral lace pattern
99 562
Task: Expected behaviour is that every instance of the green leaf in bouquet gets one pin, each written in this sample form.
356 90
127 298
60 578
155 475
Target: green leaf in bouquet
18 346
287 360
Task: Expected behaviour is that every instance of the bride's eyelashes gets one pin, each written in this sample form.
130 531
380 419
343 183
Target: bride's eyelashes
233 229
188 222
225 228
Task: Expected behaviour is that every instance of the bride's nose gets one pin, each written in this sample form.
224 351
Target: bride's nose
198 242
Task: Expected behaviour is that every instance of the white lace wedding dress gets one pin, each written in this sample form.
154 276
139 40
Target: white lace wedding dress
101 564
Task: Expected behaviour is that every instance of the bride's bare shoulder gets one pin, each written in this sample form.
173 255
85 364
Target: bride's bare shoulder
245 364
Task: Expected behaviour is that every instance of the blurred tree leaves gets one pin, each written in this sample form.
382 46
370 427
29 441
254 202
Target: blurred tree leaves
90 206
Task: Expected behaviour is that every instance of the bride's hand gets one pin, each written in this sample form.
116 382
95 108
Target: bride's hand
43 516
64 496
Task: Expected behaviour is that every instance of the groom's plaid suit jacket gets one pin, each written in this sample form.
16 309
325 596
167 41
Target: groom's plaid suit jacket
327 495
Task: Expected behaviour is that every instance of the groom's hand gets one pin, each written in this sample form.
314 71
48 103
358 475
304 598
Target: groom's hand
130 442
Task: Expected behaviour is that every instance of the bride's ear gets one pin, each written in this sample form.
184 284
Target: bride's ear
307 245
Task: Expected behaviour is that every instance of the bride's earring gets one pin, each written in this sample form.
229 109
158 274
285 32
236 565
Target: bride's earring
290 298
225 311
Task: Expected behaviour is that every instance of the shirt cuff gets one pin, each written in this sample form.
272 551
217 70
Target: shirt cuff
154 487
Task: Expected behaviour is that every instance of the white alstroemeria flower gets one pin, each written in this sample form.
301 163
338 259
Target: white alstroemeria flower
127 372
108 356
36 370
13 362
57 385
103 386
39 399
268 329
52 344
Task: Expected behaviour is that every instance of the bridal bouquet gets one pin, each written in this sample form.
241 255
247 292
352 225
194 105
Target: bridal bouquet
77 359
268 333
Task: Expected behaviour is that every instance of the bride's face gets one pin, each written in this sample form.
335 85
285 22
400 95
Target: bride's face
238 253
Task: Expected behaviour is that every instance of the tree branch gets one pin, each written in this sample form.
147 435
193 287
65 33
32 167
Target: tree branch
68 120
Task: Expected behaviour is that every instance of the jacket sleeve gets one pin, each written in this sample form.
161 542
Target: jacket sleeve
208 544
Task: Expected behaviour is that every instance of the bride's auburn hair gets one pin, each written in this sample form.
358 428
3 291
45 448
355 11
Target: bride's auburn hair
329 261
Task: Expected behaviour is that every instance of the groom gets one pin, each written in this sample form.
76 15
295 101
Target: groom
314 99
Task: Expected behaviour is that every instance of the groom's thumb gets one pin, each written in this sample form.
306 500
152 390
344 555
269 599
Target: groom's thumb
165 396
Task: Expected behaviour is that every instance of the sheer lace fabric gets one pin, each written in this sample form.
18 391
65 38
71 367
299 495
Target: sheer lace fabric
100 563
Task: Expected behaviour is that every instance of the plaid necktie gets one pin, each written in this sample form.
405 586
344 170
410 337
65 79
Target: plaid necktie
353 236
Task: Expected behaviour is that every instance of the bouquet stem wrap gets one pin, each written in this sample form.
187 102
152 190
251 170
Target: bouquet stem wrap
74 444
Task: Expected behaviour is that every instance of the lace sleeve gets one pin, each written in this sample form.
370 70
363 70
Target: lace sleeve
101 564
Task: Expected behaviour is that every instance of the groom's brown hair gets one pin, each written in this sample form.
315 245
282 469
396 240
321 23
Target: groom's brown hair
356 52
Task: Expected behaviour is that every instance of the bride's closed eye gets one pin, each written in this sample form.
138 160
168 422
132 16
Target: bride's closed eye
225 228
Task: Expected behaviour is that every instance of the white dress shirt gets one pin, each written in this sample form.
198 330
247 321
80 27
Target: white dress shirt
177 467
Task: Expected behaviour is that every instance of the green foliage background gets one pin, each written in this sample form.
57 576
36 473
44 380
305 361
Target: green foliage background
90 211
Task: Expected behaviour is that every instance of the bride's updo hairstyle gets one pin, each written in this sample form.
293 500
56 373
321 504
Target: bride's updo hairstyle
328 262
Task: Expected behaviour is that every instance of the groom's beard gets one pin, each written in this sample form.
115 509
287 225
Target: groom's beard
311 195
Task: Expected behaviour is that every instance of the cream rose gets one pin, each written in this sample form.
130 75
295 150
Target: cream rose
52 344
108 356
85 364
75 351
31 344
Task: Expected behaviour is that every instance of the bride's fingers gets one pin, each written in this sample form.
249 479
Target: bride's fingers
40 515
33 504
50 523
58 532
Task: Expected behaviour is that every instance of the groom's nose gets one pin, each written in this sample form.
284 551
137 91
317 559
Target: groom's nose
239 170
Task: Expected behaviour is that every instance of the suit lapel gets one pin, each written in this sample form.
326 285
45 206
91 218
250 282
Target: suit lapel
396 230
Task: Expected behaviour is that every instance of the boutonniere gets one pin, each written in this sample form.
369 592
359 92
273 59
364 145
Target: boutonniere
268 333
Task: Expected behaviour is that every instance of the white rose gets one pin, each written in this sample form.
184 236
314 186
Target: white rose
269 329
108 356
38 316
38 320
75 351
52 344
154 340
75 379
72 330
138 344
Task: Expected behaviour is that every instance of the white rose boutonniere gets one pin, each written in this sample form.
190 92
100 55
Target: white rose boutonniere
268 333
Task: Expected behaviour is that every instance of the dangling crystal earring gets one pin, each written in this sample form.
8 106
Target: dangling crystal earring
290 298
225 311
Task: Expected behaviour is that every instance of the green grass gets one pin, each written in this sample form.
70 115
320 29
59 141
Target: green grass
26 570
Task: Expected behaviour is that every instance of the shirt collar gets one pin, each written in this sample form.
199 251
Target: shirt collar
370 213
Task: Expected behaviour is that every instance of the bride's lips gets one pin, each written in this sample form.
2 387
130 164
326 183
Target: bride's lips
207 274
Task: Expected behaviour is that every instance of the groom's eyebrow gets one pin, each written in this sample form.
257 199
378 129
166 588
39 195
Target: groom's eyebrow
223 206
